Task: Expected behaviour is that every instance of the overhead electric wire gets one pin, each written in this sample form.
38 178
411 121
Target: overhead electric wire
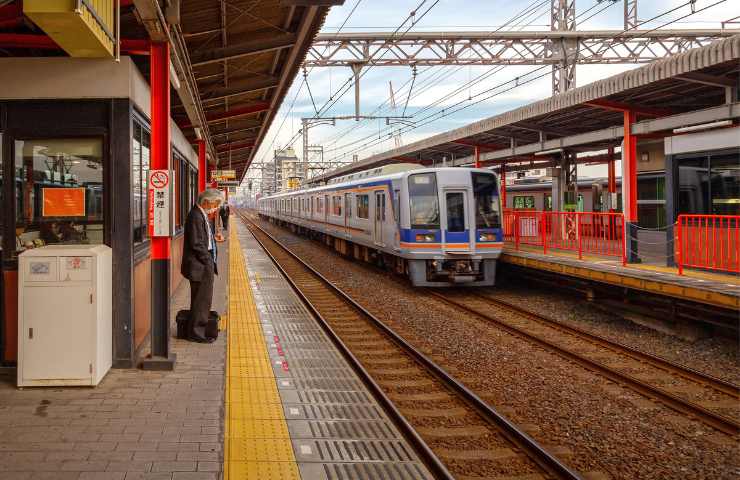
527 12
300 87
481 77
349 82
442 113
441 74
409 128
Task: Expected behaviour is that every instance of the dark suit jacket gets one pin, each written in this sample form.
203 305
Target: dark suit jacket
195 255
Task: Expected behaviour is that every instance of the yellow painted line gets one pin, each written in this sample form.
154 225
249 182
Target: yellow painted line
256 439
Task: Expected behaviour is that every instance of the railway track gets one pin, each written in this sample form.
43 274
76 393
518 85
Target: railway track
701 397
469 437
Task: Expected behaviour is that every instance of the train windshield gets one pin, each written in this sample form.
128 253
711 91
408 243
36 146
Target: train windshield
486 200
424 202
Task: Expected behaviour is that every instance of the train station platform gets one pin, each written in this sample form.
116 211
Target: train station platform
720 290
294 407
272 398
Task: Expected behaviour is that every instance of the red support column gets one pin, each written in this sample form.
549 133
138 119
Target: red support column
202 168
502 176
476 153
629 185
159 80
612 187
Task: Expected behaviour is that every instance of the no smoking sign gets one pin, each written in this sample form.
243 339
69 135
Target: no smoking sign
159 203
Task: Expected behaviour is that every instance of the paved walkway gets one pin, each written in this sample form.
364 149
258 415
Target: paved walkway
135 425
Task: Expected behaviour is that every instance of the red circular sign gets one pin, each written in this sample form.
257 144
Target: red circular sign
159 179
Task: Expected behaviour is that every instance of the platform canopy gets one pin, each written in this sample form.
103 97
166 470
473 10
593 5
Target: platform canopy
233 61
697 86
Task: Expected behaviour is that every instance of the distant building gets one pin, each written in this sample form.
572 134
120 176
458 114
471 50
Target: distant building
289 171
268 184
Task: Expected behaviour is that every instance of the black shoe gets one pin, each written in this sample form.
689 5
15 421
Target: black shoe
198 339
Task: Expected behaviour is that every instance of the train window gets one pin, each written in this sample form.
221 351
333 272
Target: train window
455 211
348 205
485 194
336 203
59 191
363 206
396 204
548 202
423 201
524 202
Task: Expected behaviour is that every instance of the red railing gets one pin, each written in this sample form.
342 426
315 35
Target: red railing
590 233
710 242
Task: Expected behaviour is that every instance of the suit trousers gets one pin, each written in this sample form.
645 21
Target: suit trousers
201 298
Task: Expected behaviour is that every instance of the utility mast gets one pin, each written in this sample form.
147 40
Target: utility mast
394 111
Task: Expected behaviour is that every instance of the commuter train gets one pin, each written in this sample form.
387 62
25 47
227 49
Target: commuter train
438 226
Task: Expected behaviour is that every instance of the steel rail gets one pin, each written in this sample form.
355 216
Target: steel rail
719 422
723 386
533 450
430 458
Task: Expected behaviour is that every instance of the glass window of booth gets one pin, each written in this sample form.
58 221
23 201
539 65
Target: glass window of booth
140 155
59 191
725 184
709 184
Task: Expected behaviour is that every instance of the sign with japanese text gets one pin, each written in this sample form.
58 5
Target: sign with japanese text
159 203
63 202
223 175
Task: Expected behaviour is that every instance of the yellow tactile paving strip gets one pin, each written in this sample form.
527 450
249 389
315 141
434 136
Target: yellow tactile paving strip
256 440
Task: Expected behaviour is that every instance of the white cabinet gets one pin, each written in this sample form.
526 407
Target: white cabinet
64 315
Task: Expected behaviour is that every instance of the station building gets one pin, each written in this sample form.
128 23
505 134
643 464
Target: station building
92 99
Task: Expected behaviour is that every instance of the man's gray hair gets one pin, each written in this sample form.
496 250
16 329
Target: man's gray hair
210 195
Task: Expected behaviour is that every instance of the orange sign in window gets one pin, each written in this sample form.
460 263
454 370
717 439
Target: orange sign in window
63 202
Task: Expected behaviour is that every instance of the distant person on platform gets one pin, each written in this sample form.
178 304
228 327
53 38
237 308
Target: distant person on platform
225 211
199 260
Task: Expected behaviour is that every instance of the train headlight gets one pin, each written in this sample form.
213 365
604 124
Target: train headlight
487 237
424 237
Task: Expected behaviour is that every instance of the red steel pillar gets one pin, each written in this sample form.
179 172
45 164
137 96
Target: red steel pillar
476 153
202 168
629 186
159 80
612 176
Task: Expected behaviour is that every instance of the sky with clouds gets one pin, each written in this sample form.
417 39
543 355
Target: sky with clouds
436 92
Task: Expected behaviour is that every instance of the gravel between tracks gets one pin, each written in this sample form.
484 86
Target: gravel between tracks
715 356
595 426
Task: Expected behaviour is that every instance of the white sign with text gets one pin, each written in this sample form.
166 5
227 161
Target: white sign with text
159 203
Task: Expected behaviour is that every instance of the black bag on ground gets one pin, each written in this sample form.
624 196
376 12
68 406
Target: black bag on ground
212 325
182 323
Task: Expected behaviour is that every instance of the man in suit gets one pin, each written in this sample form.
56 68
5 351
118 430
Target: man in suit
225 212
199 260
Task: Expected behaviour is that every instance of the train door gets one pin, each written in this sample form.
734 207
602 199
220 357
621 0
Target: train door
326 209
347 210
379 217
456 230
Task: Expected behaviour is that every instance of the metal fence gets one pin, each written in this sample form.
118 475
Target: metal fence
591 233
709 242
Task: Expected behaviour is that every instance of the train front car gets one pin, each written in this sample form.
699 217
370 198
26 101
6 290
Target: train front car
451 231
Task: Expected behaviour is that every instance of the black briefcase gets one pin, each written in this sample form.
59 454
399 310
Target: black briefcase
182 323
212 325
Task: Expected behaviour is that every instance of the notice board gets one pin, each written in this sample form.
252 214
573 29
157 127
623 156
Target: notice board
63 202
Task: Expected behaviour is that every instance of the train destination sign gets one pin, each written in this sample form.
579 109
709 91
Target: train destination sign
159 203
